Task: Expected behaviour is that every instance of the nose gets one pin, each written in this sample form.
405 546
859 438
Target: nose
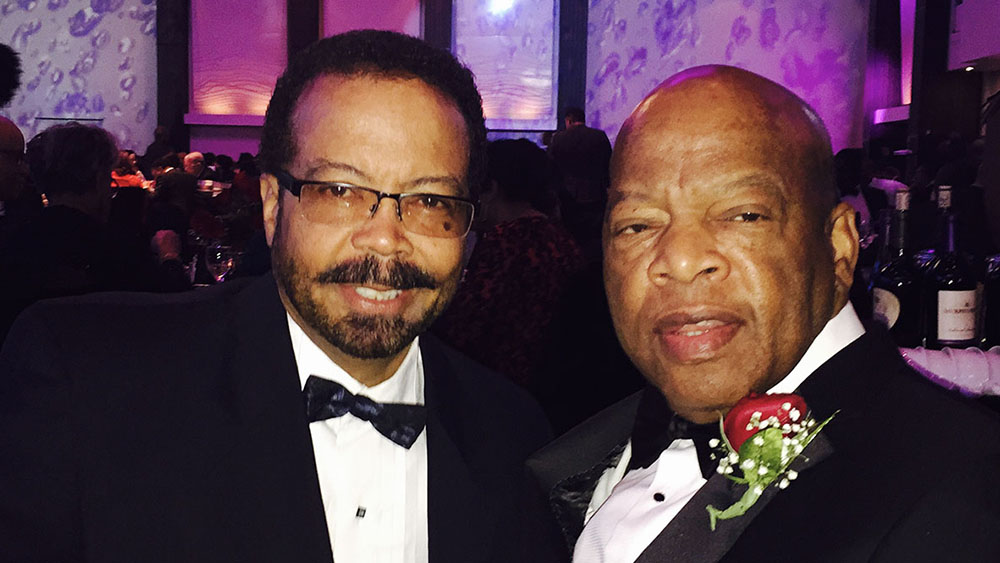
687 253
382 233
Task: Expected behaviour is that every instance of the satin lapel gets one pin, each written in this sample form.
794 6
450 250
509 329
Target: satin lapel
571 497
458 515
688 538
274 464
568 469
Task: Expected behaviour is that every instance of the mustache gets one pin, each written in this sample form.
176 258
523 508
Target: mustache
369 270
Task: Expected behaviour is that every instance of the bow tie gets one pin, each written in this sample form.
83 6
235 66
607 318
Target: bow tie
397 422
657 426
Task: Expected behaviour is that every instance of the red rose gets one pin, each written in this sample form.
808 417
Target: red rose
786 407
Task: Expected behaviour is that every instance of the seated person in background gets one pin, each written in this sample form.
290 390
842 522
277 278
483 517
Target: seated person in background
126 173
518 269
224 168
727 262
246 177
166 163
194 164
176 206
67 249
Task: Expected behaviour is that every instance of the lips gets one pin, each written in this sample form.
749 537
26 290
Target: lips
696 336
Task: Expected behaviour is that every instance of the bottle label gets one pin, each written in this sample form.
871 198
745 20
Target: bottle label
902 202
885 306
956 316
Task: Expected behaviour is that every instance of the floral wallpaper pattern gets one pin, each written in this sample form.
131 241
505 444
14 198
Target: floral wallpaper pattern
816 48
84 59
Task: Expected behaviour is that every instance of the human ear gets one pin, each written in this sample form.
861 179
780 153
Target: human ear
844 242
270 192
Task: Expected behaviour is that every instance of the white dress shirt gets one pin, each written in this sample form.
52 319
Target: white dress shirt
629 509
374 491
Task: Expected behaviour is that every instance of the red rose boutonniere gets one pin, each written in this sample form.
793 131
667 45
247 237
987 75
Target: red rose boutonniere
761 435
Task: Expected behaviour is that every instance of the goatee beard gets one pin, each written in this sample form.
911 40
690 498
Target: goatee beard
365 337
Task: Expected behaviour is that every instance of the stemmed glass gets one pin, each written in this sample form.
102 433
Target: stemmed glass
221 261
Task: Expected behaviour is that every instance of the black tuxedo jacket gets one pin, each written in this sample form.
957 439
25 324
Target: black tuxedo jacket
172 428
906 471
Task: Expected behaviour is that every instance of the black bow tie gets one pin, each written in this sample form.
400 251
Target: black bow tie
397 422
657 426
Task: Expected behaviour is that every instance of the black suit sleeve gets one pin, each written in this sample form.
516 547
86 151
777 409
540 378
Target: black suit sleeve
39 494
957 519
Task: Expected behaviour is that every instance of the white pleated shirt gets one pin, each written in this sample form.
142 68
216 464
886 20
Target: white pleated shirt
374 491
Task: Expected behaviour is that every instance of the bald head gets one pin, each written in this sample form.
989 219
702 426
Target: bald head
194 163
708 107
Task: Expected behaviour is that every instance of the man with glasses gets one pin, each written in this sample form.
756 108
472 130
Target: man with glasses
299 417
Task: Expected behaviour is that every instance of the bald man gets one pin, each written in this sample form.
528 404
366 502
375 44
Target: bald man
728 262
194 164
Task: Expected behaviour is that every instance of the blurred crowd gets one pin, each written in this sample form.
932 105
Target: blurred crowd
81 216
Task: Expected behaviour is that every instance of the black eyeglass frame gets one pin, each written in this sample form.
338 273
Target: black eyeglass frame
294 186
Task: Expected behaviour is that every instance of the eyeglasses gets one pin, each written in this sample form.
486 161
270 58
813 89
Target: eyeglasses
426 214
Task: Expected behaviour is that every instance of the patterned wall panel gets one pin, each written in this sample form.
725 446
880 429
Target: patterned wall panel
511 47
84 59
816 48
237 53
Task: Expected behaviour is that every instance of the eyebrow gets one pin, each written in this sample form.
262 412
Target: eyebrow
319 165
768 183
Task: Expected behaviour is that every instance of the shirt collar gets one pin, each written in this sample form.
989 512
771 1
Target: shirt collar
405 386
841 330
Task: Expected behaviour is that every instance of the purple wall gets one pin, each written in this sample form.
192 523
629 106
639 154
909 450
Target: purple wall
394 15
238 50
237 53
816 48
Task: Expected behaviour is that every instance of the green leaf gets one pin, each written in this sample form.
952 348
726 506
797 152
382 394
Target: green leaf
770 454
739 508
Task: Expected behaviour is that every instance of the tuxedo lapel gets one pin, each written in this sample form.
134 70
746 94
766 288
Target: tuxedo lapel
688 537
458 519
274 468
571 497
568 470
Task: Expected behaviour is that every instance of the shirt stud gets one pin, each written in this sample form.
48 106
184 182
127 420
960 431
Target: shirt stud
658 497
361 512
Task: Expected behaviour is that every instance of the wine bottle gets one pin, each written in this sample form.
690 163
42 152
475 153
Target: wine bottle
951 279
895 282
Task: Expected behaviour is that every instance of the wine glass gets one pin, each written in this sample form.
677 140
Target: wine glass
220 260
